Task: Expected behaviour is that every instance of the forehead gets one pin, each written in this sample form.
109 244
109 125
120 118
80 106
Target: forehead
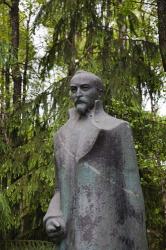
80 79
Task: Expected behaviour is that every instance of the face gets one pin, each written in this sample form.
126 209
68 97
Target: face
83 92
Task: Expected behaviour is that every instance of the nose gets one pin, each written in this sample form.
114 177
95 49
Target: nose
79 92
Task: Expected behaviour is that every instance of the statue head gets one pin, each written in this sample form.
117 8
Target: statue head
85 89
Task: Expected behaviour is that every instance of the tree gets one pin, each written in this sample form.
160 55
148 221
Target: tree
161 8
117 41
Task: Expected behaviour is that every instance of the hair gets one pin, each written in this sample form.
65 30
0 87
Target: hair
91 76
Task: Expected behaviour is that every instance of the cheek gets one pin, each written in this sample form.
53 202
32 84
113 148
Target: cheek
90 99
93 95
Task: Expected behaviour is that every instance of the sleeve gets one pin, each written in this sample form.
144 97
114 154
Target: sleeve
132 188
54 210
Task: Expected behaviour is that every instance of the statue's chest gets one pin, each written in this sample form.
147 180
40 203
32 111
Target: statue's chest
77 136
78 130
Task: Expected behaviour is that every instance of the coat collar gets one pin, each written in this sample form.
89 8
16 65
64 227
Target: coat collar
97 121
88 139
97 110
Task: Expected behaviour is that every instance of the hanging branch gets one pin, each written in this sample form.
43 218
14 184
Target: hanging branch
161 9
6 3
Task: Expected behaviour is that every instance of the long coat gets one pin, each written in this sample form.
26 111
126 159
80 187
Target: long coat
100 193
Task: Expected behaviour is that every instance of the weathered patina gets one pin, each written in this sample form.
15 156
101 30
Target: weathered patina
98 203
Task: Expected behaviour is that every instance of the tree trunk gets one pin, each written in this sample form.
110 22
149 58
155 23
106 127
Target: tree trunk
26 59
3 130
107 36
161 8
7 86
16 74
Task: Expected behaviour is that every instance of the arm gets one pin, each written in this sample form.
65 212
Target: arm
54 208
53 220
133 190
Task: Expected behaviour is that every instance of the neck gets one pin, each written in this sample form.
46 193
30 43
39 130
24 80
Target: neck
98 107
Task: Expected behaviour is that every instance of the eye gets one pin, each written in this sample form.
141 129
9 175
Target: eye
85 87
73 89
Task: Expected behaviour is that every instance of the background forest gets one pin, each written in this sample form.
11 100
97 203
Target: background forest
42 43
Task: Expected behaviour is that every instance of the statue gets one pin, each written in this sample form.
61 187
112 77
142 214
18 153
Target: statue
98 202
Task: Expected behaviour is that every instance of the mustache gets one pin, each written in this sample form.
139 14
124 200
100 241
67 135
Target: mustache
80 101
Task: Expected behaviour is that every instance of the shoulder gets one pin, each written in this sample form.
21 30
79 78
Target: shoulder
107 122
63 131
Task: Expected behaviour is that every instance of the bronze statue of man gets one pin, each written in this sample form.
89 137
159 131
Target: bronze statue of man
98 202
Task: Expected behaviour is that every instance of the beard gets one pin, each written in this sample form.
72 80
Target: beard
82 108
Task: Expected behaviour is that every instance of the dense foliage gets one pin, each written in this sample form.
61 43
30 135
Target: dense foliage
42 43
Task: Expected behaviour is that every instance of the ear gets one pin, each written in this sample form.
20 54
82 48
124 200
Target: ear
100 93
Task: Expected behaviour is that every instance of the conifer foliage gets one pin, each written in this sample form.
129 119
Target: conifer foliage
42 43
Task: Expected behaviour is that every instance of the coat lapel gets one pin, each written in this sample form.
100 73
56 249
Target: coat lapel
87 140
78 136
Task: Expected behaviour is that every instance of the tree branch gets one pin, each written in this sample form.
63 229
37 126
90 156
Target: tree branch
146 3
6 3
